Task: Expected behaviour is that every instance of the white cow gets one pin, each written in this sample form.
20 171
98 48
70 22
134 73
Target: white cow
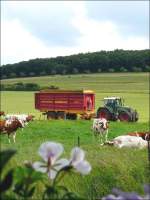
100 127
129 141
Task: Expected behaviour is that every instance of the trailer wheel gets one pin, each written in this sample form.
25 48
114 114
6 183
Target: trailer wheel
51 115
60 115
71 116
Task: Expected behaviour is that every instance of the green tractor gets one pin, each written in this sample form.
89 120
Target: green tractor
114 109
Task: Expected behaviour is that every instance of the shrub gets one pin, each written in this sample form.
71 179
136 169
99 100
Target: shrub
99 70
20 87
75 71
122 69
32 87
111 70
136 69
147 68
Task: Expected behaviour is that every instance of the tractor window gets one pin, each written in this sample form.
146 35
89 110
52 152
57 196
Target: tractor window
113 102
108 102
119 103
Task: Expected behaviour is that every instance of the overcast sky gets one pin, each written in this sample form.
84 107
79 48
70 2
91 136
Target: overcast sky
39 29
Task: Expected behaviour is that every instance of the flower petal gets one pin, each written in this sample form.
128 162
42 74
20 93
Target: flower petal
40 166
77 155
52 174
59 164
83 167
50 149
111 197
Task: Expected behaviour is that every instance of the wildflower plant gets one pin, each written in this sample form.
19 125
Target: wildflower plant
21 182
120 195
57 167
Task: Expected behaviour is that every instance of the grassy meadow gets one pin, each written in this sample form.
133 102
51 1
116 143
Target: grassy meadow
126 169
133 87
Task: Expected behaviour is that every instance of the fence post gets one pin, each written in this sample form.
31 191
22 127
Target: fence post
78 141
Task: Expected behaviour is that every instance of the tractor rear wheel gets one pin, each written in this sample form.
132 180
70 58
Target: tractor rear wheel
135 116
124 117
103 113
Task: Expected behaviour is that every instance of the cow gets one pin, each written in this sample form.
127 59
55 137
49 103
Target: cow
100 127
23 117
2 113
128 141
10 127
144 135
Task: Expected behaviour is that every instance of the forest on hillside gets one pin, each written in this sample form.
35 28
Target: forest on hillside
96 62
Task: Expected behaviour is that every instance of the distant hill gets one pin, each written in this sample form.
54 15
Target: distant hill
103 61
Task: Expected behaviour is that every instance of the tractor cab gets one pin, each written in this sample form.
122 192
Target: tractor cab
113 102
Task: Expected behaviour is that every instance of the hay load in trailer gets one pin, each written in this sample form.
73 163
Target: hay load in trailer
66 104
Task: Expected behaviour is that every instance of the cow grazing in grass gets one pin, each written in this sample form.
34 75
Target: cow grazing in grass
144 135
100 128
10 127
128 141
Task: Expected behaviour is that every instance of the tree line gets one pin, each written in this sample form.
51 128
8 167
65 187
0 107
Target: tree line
96 62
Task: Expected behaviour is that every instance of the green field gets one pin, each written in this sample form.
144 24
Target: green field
126 169
133 87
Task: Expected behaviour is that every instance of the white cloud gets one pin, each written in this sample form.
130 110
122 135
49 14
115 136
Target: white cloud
19 43
104 35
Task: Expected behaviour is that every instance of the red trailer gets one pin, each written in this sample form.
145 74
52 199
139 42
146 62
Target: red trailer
65 104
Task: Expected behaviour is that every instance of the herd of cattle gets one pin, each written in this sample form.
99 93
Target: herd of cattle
10 123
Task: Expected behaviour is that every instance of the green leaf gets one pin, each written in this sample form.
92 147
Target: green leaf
19 189
5 156
30 192
50 193
62 188
6 183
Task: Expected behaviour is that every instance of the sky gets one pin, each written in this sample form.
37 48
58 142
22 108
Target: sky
43 29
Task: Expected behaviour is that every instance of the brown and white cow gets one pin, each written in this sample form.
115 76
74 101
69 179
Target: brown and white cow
143 135
2 113
23 117
100 128
10 127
